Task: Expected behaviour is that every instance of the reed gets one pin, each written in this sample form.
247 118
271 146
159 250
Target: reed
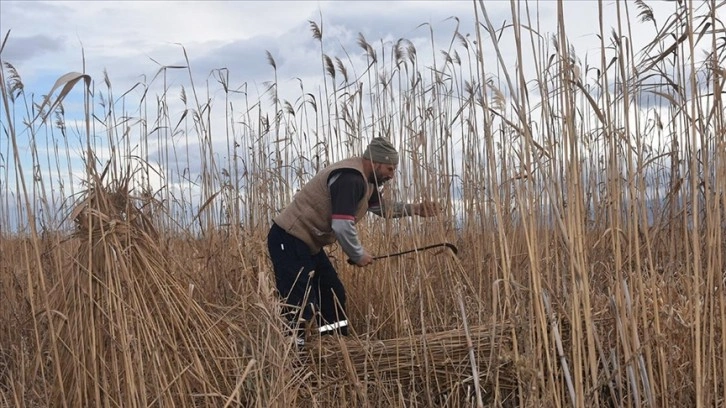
584 191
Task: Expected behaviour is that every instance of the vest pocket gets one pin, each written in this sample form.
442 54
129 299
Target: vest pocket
319 233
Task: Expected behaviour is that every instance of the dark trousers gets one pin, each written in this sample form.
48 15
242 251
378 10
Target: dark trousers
302 277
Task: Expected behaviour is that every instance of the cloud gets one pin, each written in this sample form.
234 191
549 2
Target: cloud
247 61
26 48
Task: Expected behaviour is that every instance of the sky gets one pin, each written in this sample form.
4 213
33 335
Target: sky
130 40
47 38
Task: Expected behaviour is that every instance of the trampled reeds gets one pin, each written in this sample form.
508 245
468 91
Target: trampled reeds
583 188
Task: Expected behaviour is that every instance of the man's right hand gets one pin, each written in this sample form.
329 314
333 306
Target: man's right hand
366 260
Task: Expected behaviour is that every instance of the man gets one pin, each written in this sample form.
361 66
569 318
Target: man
324 211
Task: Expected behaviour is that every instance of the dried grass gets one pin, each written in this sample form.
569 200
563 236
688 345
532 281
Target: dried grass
130 330
597 232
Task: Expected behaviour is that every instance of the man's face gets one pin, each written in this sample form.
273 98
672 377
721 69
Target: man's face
382 173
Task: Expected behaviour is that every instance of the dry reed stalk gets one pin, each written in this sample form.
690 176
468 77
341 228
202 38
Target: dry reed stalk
560 350
472 353
131 333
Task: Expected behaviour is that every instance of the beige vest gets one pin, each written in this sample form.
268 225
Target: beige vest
309 215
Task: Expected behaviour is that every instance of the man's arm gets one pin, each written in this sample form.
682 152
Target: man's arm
346 191
377 205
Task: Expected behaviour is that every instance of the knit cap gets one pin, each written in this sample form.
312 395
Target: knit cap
380 150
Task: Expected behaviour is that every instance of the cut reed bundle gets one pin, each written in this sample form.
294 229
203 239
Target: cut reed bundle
437 363
131 334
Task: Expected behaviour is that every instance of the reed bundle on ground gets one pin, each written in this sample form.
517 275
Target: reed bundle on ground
436 368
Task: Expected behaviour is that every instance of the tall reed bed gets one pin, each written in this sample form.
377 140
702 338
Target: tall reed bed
585 196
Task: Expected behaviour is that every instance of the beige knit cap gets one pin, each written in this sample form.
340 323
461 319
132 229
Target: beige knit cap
380 150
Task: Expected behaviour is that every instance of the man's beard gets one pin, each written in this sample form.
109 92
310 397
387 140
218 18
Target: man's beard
378 181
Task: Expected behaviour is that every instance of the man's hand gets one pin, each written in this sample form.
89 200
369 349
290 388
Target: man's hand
366 260
427 209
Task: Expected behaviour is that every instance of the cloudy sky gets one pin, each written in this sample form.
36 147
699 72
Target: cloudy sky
48 38
130 39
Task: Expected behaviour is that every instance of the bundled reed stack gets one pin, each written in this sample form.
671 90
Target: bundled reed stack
130 332
435 369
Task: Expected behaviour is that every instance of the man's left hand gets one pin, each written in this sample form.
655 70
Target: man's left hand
427 209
